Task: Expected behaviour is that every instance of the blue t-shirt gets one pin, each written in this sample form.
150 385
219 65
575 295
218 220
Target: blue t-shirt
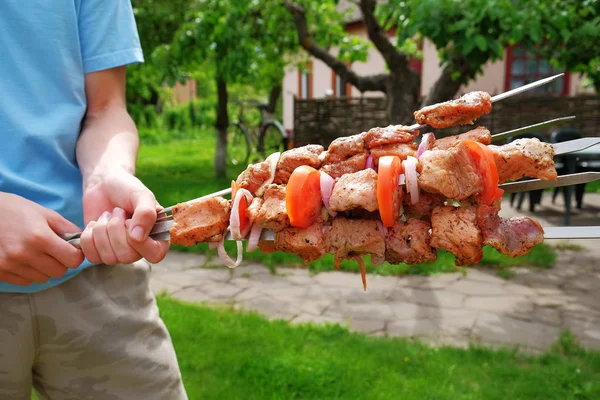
46 48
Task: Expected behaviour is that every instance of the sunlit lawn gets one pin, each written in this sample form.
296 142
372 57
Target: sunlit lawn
183 169
228 355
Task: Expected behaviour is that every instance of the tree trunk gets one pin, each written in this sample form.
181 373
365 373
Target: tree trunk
403 100
274 98
221 125
445 87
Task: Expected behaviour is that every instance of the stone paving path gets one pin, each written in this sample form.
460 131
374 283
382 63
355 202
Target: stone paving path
529 309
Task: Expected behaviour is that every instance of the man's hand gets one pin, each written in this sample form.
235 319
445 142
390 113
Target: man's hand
106 153
30 247
110 237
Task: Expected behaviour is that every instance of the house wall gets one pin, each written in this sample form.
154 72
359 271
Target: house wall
491 80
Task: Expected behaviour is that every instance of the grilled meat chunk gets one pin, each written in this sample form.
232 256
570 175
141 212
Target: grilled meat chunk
355 190
409 242
423 208
254 209
306 243
452 172
524 158
401 150
203 221
273 214
292 159
255 176
514 237
456 230
351 237
461 111
343 148
355 163
479 134
389 135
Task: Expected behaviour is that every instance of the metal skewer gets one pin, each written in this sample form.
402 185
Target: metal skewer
505 95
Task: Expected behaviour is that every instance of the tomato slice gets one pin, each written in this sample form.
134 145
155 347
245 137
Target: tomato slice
244 217
389 198
484 159
303 199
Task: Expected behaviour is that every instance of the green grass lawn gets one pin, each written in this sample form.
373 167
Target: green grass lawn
183 169
230 355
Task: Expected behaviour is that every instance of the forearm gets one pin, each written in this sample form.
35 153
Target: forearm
108 141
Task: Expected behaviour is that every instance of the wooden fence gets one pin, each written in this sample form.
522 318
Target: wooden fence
319 121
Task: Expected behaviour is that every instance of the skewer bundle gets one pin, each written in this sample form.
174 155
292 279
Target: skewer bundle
379 193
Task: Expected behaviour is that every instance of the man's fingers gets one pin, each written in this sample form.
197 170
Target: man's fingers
152 250
118 238
144 215
26 272
49 265
14 279
86 241
102 241
59 224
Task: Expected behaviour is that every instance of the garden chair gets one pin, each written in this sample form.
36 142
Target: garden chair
563 135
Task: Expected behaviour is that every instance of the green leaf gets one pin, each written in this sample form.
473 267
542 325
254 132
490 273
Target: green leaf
481 42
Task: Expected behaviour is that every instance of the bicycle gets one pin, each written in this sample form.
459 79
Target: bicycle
268 137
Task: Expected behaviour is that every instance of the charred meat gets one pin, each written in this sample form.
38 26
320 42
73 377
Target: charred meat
524 158
514 237
203 221
355 190
389 135
451 173
461 111
292 159
456 231
479 134
409 242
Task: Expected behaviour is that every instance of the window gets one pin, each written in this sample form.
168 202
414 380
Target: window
305 82
523 67
341 88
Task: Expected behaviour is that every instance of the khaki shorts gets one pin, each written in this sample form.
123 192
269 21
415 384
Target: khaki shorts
96 336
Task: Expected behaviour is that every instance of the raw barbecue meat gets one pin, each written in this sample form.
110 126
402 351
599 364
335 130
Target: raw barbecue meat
253 177
401 150
389 135
343 148
292 159
409 242
199 222
355 190
254 209
456 231
306 243
351 237
524 158
461 111
355 163
479 134
423 208
273 215
451 173
514 237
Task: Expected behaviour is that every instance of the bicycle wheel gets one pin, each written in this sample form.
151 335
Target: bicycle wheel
272 140
238 145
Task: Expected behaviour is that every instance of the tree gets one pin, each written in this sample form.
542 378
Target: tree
156 20
242 42
467 35
569 39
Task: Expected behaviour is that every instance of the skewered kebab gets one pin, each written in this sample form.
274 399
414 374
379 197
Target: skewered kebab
462 231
